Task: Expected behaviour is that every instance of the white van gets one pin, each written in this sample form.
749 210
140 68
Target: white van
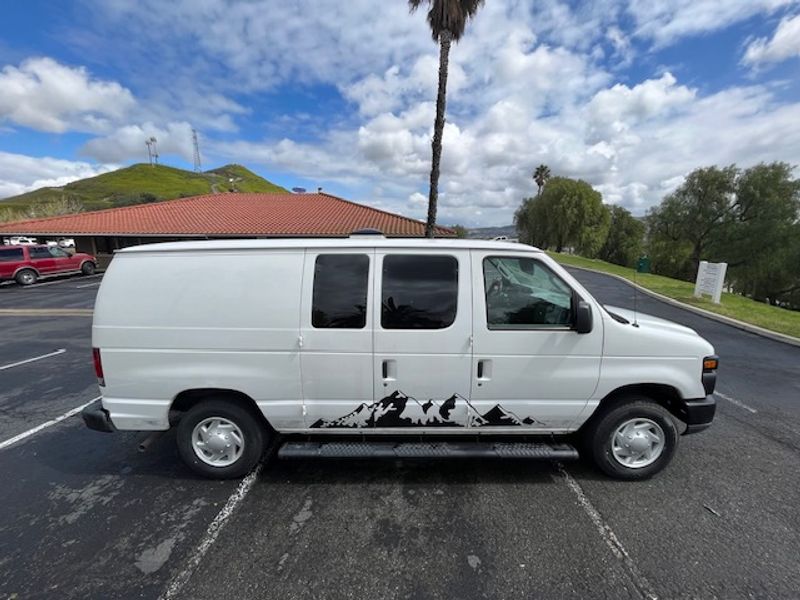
370 346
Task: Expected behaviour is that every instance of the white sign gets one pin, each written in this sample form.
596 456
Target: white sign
710 278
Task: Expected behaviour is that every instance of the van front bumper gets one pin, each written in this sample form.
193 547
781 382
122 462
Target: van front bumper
96 417
698 413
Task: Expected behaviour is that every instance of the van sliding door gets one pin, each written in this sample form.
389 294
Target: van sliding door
336 326
423 321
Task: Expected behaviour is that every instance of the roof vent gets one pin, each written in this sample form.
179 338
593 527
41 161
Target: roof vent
367 231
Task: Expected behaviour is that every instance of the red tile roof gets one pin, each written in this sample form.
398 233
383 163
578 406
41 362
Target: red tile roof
232 214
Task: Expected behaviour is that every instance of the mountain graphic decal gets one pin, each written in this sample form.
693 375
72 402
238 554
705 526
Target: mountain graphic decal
398 410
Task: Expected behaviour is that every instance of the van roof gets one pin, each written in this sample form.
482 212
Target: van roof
360 241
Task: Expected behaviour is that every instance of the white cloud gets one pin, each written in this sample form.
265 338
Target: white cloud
262 42
634 144
529 84
394 89
666 21
46 95
785 43
127 142
20 173
614 112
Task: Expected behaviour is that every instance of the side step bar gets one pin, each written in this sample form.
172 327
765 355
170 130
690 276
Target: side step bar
428 450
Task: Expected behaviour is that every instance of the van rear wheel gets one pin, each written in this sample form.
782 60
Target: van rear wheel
219 439
634 439
26 277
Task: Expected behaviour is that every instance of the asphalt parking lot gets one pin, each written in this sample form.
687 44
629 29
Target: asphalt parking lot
85 515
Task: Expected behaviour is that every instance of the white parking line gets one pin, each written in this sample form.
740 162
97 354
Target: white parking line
212 532
612 541
86 285
34 359
38 428
738 403
47 282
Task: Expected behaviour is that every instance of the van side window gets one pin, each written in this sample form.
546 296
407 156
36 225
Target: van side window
11 254
339 299
57 252
39 252
522 293
419 291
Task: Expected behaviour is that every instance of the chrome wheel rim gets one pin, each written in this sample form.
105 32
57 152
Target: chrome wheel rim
28 278
637 443
217 441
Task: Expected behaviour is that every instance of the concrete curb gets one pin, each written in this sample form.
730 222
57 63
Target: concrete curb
773 335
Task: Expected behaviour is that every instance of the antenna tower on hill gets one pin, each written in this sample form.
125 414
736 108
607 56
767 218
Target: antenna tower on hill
197 166
152 150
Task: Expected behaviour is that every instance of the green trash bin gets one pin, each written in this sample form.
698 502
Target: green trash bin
643 265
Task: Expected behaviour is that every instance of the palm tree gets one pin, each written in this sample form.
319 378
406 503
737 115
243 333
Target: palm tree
447 20
540 176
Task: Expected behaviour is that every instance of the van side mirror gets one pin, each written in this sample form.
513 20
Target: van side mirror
583 317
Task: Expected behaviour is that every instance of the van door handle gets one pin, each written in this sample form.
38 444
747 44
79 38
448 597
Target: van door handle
484 371
388 371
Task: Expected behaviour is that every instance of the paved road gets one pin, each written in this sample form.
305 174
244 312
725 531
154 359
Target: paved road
87 516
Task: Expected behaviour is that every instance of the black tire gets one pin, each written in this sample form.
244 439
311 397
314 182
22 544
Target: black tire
88 268
599 436
254 436
26 277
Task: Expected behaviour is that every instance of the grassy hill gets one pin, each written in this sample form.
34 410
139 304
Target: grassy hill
142 183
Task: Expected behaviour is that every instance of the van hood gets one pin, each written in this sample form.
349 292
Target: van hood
654 336
649 321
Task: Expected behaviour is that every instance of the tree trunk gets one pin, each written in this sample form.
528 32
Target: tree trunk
438 128
697 256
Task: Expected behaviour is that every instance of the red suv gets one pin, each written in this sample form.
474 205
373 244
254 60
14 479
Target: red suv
26 264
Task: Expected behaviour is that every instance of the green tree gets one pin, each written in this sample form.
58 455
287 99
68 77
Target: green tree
762 238
625 238
697 214
447 20
540 175
569 213
531 223
461 231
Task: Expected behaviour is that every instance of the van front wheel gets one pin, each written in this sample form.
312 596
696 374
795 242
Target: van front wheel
633 440
220 440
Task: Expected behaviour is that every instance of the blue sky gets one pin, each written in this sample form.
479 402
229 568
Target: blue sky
629 96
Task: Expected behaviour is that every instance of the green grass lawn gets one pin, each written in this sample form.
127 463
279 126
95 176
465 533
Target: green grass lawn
732 305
